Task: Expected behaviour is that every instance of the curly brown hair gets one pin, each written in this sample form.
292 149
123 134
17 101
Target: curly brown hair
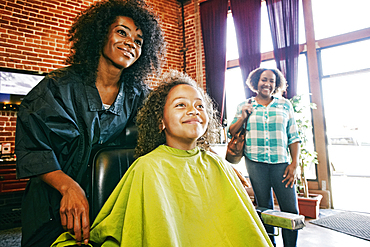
88 35
255 75
149 118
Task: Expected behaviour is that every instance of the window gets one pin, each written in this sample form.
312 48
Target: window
344 67
233 79
346 58
345 85
266 39
333 18
232 45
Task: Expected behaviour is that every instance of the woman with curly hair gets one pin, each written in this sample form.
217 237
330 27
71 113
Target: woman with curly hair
177 193
74 111
272 144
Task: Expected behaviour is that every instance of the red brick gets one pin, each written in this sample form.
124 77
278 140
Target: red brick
10 129
10 139
6 134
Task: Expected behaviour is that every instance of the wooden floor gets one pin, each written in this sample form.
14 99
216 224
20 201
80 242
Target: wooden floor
317 236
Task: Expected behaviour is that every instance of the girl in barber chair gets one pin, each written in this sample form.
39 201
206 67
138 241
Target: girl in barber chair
177 193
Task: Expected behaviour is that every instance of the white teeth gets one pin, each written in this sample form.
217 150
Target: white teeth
126 53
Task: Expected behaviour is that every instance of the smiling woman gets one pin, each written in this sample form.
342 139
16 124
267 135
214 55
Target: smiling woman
272 144
123 46
122 49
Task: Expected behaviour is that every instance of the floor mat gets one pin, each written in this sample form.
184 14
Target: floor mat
354 224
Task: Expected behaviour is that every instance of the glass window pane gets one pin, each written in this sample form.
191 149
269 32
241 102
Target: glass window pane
345 58
302 33
302 85
234 92
266 39
333 18
346 122
268 64
303 90
231 43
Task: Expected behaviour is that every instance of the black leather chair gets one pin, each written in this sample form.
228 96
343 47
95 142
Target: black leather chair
109 166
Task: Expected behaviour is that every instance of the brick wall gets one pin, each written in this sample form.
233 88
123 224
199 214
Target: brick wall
33 32
7 127
33 38
194 43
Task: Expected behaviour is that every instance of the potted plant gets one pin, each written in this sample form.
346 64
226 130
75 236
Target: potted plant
308 203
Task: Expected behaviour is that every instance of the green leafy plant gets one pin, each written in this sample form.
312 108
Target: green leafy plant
307 156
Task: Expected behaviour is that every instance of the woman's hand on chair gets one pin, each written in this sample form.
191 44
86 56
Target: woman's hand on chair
74 213
74 207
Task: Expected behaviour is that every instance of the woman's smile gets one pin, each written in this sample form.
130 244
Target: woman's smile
126 52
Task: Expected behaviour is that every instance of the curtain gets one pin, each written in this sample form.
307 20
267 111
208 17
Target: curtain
247 22
283 17
213 14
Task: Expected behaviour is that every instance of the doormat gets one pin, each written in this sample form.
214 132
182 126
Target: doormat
353 224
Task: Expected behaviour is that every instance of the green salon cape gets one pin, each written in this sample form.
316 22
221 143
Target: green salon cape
172 197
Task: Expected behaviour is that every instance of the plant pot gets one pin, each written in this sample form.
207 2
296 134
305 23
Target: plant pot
310 206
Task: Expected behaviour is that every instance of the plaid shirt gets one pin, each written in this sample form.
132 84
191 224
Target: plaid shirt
271 130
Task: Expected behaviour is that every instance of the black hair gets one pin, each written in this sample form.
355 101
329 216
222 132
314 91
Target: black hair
255 75
88 35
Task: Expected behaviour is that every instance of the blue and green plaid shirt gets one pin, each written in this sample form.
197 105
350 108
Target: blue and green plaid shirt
271 130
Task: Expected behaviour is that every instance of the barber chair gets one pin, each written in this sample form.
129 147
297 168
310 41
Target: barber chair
109 164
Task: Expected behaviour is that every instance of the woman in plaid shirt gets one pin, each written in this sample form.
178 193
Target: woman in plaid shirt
272 144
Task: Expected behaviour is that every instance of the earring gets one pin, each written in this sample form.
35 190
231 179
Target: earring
162 127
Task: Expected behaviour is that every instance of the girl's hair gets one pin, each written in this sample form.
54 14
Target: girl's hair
255 75
89 33
149 118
